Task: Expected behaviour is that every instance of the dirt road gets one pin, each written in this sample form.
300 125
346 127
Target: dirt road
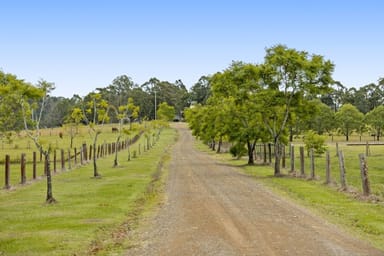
211 209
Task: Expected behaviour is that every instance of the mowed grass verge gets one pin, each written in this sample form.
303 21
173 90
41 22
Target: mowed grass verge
362 218
92 216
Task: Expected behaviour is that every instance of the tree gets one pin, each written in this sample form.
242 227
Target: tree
128 113
29 98
289 78
165 112
237 88
321 118
375 119
74 121
201 90
95 112
11 116
348 119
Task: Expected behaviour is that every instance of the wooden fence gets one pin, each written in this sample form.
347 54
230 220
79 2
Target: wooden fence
62 160
265 153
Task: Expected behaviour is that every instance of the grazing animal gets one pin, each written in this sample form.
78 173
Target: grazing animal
61 135
114 130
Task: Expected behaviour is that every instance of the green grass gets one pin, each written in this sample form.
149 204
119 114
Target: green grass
92 216
363 218
23 144
352 166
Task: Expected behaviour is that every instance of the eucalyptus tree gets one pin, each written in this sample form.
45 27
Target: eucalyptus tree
201 90
323 120
73 121
128 113
95 112
174 94
289 78
30 98
348 119
375 119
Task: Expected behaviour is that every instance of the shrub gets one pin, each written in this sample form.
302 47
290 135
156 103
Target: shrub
315 141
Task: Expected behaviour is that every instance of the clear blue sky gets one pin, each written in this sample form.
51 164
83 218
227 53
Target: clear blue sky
81 45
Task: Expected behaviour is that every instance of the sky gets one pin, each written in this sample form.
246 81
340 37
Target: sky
81 45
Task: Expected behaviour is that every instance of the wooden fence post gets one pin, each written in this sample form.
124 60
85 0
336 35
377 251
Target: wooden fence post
337 149
269 153
62 160
367 153
265 153
342 171
364 175
90 152
292 155
22 169
75 152
54 160
84 153
302 167
69 160
327 168
34 165
45 166
7 172
81 155
312 159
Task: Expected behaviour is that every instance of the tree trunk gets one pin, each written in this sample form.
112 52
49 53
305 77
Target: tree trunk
347 135
50 199
290 134
95 173
378 134
277 171
219 145
251 148
115 162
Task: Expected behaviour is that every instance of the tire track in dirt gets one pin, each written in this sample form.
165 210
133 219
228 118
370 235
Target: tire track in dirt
210 209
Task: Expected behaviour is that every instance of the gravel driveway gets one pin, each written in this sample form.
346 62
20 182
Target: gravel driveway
210 209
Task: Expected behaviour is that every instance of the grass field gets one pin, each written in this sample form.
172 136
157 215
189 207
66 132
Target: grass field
22 144
363 218
92 216
352 165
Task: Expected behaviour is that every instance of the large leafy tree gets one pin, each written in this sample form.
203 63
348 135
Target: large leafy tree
349 119
11 118
323 121
375 119
290 77
237 87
